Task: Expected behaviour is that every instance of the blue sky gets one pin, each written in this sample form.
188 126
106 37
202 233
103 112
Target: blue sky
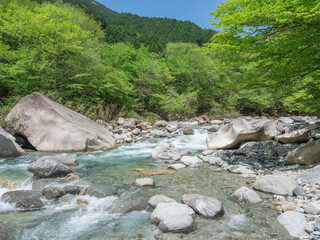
197 11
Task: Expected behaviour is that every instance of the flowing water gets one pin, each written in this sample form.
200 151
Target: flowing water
64 219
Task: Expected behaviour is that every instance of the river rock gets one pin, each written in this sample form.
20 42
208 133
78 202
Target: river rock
155 200
313 208
243 129
205 206
130 123
51 127
216 161
72 177
161 123
294 222
49 169
192 161
171 127
306 154
121 121
188 131
71 189
70 162
142 127
213 128
165 151
52 192
8 146
100 190
39 184
176 166
276 184
311 175
23 199
298 136
143 182
173 217
286 120
239 169
246 195
138 204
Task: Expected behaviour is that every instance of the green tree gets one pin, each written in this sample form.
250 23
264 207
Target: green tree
272 44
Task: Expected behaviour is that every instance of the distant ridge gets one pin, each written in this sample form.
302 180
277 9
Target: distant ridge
153 32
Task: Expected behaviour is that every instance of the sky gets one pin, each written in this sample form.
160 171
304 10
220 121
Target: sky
197 11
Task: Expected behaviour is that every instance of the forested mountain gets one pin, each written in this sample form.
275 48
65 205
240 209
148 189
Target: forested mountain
152 32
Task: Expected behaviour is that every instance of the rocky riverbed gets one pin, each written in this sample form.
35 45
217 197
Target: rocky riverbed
244 178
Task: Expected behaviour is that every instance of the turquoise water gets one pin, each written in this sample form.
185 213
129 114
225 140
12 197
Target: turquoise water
64 219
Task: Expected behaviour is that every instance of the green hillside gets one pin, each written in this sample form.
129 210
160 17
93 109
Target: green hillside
152 32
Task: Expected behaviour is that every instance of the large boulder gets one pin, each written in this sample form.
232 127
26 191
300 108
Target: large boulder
245 195
70 162
294 222
306 154
311 175
49 168
51 127
205 206
130 123
298 136
244 129
23 199
173 217
155 200
276 184
165 151
8 146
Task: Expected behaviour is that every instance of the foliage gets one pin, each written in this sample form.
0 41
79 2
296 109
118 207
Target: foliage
273 44
136 30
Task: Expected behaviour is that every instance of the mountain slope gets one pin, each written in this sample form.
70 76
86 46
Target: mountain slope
152 32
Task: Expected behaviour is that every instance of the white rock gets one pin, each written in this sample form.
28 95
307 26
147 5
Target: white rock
313 208
176 166
192 161
246 195
165 151
276 184
143 182
294 222
173 217
155 200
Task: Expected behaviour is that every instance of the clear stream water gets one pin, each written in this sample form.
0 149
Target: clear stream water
64 219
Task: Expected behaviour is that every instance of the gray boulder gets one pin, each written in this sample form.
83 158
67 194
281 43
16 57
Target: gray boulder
173 217
52 192
188 131
298 136
8 146
245 195
71 189
165 151
213 128
70 162
49 169
276 184
23 199
306 154
161 123
176 166
313 208
294 222
138 204
51 127
130 123
171 127
205 206
100 190
155 200
244 129
192 161
311 175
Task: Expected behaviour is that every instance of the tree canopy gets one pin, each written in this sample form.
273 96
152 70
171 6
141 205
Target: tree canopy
271 44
